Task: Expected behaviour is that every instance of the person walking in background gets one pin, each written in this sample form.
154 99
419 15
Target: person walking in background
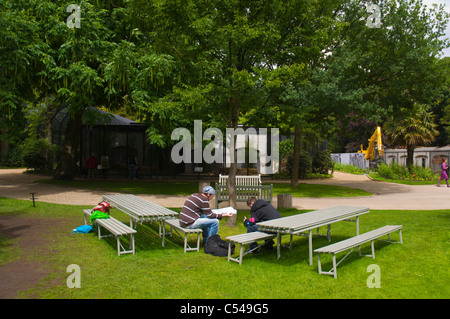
91 166
132 164
444 174
105 164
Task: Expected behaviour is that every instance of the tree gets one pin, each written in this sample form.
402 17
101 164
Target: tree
413 129
220 48
54 62
378 74
441 106
308 29
20 48
71 71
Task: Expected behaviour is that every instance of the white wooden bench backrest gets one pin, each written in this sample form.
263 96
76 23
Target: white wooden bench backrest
242 180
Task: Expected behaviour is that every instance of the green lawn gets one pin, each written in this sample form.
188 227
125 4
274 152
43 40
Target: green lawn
317 190
416 269
186 188
126 186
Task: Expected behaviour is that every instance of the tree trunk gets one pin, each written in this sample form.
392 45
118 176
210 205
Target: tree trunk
67 165
296 157
48 137
231 222
4 143
409 157
284 201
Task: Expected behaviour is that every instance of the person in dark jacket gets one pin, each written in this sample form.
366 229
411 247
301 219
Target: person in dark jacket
260 211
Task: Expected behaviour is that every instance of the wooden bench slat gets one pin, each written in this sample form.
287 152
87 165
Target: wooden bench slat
113 225
244 239
131 203
116 228
250 237
242 179
353 242
243 192
358 240
176 223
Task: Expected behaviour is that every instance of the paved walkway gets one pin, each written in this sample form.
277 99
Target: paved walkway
385 195
15 184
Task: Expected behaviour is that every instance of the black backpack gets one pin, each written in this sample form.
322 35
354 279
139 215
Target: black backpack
218 247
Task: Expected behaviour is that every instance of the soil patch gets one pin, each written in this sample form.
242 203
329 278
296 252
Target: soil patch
33 238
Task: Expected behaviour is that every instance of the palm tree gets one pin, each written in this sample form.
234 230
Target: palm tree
416 128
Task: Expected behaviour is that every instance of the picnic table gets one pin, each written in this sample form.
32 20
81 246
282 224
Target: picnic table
306 222
141 210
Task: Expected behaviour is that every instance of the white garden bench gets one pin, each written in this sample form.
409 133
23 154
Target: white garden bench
353 242
175 226
116 229
244 239
246 186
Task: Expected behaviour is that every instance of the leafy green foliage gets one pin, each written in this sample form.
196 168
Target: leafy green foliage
413 128
13 158
304 164
347 168
322 163
37 153
400 172
297 65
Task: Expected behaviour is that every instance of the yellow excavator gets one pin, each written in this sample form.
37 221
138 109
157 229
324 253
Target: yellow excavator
375 150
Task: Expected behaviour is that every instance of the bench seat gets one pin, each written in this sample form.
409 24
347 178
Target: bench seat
175 226
353 242
244 239
116 229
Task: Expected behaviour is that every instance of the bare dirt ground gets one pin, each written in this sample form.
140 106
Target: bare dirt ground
28 232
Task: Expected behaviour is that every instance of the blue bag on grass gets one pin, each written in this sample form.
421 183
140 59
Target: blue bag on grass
83 229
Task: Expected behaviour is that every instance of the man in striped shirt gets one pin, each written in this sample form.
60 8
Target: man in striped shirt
196 213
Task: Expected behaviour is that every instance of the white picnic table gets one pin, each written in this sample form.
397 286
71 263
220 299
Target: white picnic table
141 210
306 222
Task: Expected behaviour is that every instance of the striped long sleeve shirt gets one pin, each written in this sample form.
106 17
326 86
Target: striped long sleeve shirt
195 206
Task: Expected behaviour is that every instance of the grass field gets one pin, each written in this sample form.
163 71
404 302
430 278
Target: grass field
417 269
187 188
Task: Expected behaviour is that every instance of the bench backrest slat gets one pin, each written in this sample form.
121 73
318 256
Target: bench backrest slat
244 192
242 180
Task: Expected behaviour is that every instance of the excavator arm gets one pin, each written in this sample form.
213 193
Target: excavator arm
375 144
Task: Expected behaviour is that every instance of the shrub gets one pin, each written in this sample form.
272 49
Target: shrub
347 168
37 153
322 163
305 164
400 172
13 158
286 148
385 171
